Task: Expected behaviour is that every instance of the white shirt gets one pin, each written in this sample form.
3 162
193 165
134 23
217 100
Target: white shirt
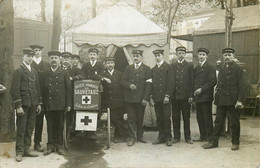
111 71
27 66
93 63
202 63
37 60
138 65
53 70
160 63
180 61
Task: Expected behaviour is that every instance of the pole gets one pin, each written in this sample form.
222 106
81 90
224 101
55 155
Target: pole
229 21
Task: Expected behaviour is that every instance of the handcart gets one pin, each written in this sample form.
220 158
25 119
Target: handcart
87 104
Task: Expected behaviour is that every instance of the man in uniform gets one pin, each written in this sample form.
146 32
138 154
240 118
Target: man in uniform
230 94
75 60
56 101
161 91
92 68
112 97
26 95
136 81
39 65
182 95
204 82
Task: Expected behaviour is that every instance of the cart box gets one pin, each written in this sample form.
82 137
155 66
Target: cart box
86 95
86 121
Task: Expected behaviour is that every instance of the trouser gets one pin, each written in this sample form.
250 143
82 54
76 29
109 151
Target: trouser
25 125
135 117
70 117
234 115
118 121
38 128
55 128
204 118
163 120
179 106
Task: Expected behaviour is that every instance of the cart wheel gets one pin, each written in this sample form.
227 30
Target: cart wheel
108 128
65 143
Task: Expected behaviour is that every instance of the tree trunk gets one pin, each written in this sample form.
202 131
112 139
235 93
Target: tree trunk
43 10
7 127
56 29
94 8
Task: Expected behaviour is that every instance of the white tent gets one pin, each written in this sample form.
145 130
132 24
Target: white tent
121 26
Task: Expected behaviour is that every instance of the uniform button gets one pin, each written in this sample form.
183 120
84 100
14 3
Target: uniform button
49 97
56 83
50 84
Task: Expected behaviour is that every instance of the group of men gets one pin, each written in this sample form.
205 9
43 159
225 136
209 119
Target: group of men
40 88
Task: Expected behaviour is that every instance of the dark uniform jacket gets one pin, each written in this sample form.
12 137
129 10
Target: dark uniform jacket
73 72
183 80
138 77
112 96
162 82
93 73
230 86
204 78
25 87
57 90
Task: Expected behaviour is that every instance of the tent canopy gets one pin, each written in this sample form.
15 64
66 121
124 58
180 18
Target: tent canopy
120 25
246 18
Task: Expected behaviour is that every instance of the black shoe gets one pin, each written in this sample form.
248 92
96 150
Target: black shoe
189 141
30 154
38 147
158 141
235 147
210 145
131 142
60 152
168 143
19 157
141 140
48 151
176 140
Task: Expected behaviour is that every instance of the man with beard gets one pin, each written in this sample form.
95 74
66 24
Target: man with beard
230 94
112 97
204 82
39 65
26 95
161 91
56 100
136 81
92 68
182 95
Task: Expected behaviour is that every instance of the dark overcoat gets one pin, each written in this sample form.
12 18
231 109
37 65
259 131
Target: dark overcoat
93 73
25 87
231 85
56 90
204 78
138 77
161 81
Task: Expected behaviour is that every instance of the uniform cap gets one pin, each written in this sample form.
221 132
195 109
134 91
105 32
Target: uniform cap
228 50
28 51
109 59
181 48
159 51
75 56
33 46
54 52
203 50
137 52
66 54
93 50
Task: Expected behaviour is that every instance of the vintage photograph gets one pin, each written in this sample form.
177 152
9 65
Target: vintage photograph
129 83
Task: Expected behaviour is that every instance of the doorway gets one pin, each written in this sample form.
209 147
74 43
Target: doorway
120 60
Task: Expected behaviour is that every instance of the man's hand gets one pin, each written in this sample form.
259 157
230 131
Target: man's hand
68 108
2 88
239 105
19 111
39 109
133 87
144 102
166 100
197 92
151 102
125 117
71 78
190 100
107 80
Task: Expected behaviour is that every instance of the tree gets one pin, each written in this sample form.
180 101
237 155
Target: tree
56 29
7 129
43 15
